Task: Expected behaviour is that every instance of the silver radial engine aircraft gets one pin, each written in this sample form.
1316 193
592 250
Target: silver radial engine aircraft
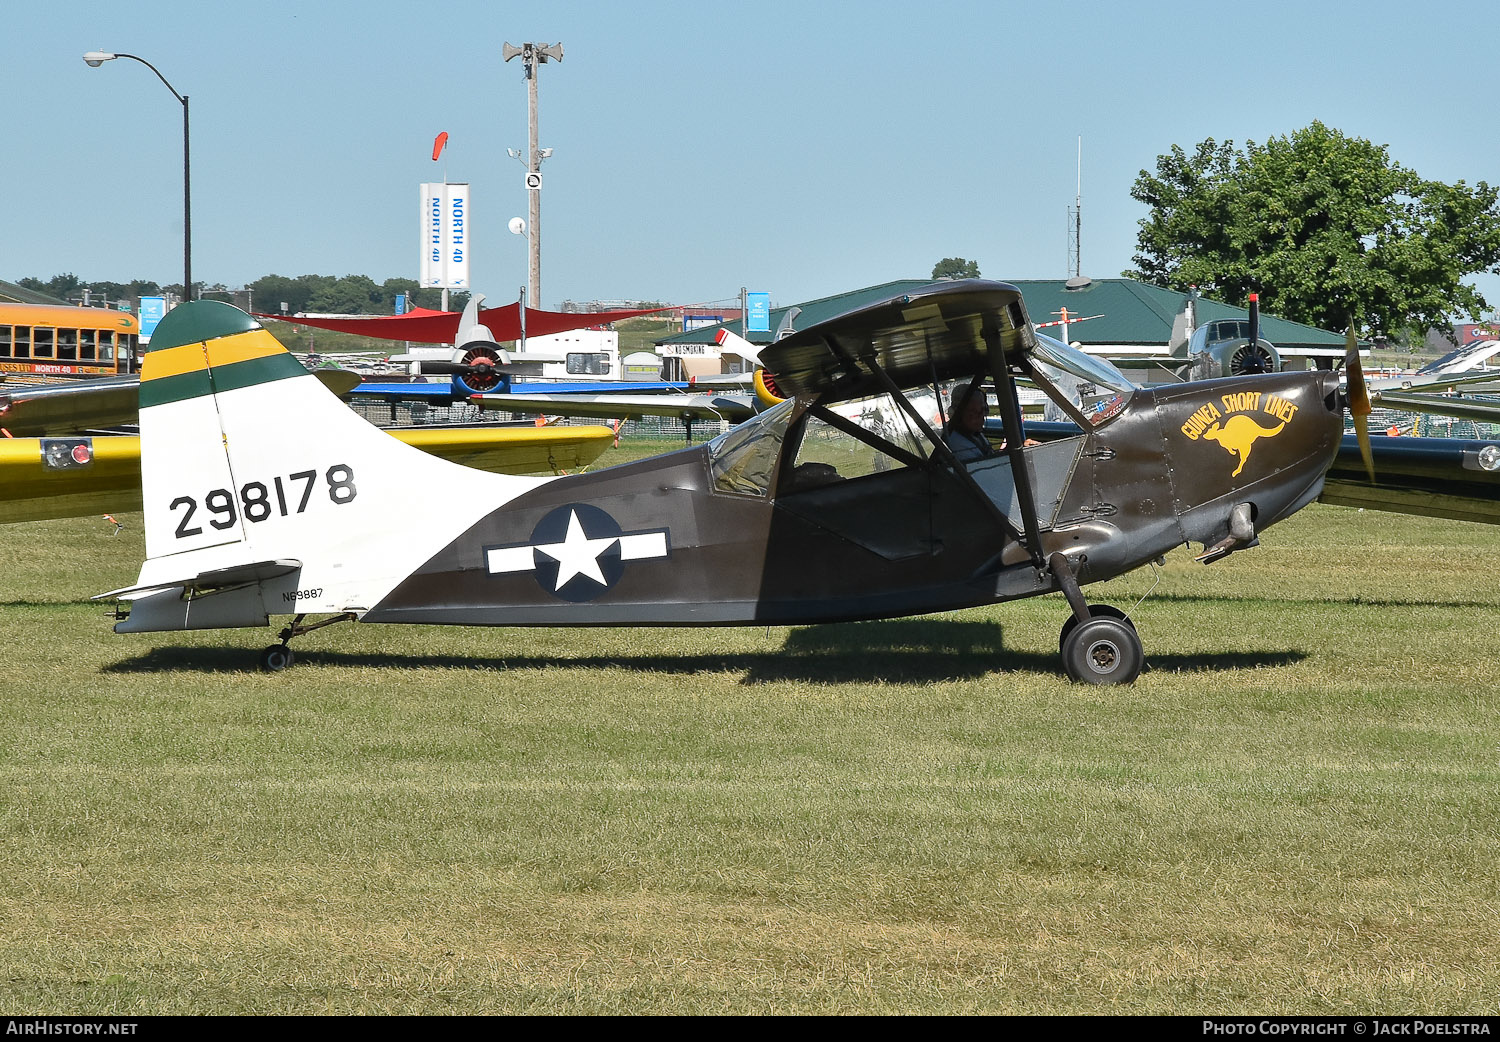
265 496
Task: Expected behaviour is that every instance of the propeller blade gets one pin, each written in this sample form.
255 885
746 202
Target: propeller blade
1359 400
436 368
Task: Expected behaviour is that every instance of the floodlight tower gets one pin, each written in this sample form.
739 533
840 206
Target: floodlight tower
532 55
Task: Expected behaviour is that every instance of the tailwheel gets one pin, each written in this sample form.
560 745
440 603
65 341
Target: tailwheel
1103 650
278 656
275 658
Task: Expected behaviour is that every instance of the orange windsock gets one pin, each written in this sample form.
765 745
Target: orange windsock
437 145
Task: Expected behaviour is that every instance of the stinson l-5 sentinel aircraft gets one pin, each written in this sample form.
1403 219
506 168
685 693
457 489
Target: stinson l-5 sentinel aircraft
265 496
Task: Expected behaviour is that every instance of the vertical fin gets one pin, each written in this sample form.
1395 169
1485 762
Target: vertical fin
247 459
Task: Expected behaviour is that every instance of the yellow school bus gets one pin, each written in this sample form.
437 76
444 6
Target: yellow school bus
53 340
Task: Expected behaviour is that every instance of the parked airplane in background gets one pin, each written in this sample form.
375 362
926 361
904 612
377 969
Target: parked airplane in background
82 474
466 347
800 515
29 410
58 460
1218 348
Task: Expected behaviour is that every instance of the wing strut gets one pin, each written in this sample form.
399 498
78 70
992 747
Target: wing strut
947 453
1015 441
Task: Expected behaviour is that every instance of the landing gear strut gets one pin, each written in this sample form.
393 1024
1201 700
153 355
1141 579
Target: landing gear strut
1098 643
278 656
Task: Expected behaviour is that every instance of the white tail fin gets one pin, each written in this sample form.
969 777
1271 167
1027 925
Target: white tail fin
264 494
738 345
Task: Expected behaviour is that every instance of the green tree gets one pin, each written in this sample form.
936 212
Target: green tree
349 295
955 268
272 291
1320 225
63 287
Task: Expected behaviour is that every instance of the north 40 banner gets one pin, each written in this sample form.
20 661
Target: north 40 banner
445 236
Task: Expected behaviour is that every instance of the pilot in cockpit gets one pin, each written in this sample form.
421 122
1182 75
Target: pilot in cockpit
965 431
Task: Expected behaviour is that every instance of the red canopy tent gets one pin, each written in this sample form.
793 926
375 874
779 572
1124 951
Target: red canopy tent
424 326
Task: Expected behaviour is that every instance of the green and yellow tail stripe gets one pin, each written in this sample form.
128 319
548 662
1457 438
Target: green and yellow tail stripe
224 349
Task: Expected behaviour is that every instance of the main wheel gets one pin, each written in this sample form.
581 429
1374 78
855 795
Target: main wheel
1105 611
275 658
1103 651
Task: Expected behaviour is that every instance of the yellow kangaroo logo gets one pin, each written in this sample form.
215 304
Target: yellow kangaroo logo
1238 436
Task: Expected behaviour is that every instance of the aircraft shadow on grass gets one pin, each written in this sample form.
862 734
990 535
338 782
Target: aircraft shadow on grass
899 650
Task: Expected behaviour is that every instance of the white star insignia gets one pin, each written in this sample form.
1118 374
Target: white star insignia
577 554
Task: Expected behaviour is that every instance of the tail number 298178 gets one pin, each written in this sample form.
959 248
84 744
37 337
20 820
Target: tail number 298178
257 501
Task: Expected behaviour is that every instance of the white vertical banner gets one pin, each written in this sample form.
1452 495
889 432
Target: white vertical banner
445 236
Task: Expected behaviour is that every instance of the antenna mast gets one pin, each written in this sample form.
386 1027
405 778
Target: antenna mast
1075 222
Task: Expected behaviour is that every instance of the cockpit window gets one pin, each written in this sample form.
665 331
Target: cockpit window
830 452
743 459
1091 385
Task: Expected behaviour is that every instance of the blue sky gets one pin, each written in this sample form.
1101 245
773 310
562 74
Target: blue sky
801 149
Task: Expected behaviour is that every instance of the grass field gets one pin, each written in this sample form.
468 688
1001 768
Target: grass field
1293 810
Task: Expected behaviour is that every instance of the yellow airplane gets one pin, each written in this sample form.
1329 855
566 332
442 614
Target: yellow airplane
50 467
79 475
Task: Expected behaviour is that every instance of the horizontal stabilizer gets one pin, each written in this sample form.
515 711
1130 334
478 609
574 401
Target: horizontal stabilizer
208 582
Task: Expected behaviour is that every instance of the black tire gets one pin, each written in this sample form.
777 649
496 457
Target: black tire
1103 651
1098 611
275 658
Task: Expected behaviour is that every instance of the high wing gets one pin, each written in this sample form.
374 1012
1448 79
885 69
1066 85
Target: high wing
46 410
732 407
1431 477
512 450
1464 359
44 478
1481 410
942 332
446 393
41 410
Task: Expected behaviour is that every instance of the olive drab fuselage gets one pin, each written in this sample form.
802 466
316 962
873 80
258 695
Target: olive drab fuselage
656 542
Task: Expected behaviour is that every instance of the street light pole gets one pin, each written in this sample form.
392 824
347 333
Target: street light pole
94 59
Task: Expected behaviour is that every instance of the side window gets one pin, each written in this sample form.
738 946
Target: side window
827 454
588 363
743 460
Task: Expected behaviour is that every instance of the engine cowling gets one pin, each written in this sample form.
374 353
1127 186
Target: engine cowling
1239 357
483 372
766 391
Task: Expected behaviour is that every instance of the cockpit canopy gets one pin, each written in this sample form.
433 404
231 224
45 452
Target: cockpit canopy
877 433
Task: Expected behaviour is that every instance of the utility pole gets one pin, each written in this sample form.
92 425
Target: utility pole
532 55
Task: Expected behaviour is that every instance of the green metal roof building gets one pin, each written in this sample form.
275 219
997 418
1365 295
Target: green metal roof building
10 293
1132 314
